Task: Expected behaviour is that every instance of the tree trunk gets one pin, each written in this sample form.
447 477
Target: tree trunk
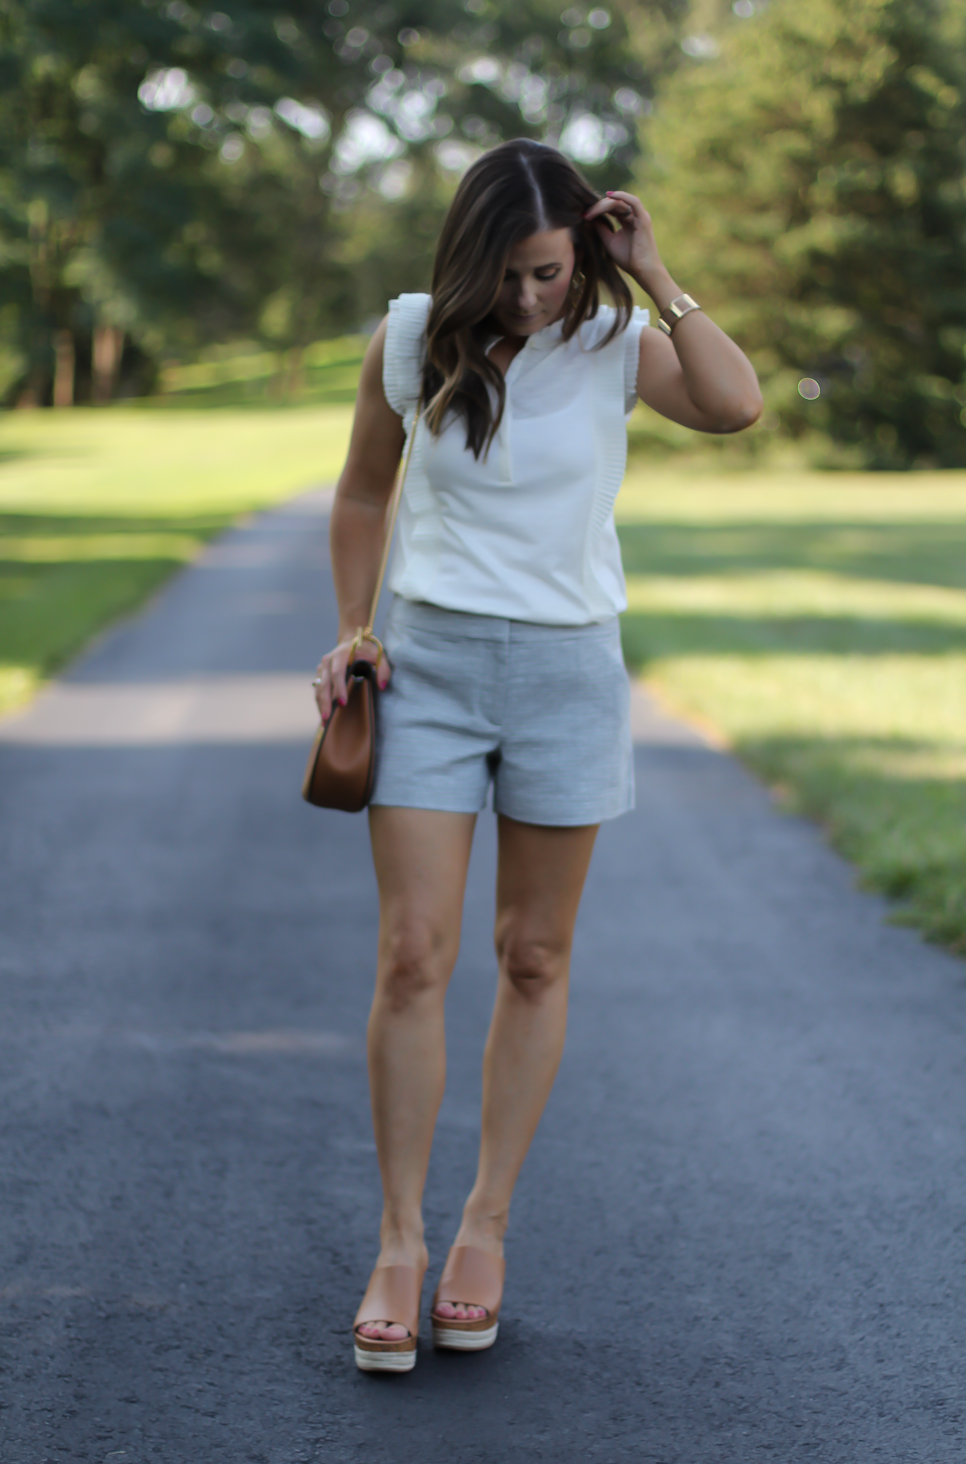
276 382
33 390
106 360
64 369
296 372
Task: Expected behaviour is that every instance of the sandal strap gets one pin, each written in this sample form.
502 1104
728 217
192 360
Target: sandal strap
392 1296
472 1276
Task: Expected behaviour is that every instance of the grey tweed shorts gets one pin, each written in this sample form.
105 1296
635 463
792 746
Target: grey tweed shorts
540 711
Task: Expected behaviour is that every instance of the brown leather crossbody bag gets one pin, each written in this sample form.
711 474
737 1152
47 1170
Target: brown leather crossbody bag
342 763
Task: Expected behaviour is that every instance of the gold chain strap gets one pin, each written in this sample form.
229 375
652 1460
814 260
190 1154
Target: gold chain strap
365 632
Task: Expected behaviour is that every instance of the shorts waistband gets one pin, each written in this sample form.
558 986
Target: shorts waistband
435 620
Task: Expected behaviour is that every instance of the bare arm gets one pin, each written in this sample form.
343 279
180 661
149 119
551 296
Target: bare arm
357 522
697 376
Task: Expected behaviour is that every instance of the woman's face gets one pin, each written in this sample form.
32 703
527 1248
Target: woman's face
535 284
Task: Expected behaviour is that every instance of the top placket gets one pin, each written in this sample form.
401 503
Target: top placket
506 423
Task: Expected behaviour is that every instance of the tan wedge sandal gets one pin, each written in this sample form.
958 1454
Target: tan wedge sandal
475 1278
392 1296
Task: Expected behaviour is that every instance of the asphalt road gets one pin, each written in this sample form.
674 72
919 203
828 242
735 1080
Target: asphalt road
739 1235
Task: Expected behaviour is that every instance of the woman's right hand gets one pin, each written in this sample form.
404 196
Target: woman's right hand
330 674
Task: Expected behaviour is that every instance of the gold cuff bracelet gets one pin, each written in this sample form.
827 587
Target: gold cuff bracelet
669 318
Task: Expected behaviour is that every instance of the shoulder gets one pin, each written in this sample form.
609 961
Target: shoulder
593 332
402 356
620 358
410 310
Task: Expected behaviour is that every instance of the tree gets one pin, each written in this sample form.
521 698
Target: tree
182 173
96 204
809 184
342 154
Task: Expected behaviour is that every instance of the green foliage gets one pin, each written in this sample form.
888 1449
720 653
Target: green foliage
809 185
186 174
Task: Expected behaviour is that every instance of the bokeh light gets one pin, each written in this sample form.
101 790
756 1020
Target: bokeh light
809 388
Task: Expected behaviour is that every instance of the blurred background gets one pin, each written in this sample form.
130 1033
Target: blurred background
193 200
203 213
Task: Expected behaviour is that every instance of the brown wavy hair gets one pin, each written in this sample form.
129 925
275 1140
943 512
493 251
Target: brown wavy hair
515 190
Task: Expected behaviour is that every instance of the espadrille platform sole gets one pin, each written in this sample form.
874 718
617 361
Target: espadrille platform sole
380 1359
471 1277
392 1296
461 1340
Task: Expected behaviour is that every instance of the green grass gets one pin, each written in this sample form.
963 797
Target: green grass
99 506
232 376
818 622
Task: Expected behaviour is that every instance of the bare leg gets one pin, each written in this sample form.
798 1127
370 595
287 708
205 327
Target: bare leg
421 858
539 883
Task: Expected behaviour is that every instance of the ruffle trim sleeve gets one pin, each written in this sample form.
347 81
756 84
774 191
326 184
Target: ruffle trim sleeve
402 357
632 355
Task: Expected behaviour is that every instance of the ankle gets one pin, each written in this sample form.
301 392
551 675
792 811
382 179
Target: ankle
401 1240
483 1222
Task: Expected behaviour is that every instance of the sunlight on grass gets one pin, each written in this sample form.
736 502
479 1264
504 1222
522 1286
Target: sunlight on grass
818 622
17 684
133 460
67 549
692 494
798 592
910 701
99 507
223 375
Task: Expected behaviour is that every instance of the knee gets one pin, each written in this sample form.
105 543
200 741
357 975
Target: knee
533 967
412 965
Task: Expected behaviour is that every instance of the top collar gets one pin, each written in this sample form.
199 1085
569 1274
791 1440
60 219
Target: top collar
544 340
541 340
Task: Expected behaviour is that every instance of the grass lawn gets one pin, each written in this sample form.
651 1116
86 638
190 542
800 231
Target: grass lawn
818 622
245 376
99 505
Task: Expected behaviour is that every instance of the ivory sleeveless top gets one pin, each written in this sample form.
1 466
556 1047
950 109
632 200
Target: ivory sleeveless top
526 533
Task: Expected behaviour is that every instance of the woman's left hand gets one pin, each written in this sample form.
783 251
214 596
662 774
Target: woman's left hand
633 245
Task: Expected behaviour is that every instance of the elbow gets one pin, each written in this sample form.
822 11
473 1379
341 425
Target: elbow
743 413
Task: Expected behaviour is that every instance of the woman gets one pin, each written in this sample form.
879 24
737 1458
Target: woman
504 662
